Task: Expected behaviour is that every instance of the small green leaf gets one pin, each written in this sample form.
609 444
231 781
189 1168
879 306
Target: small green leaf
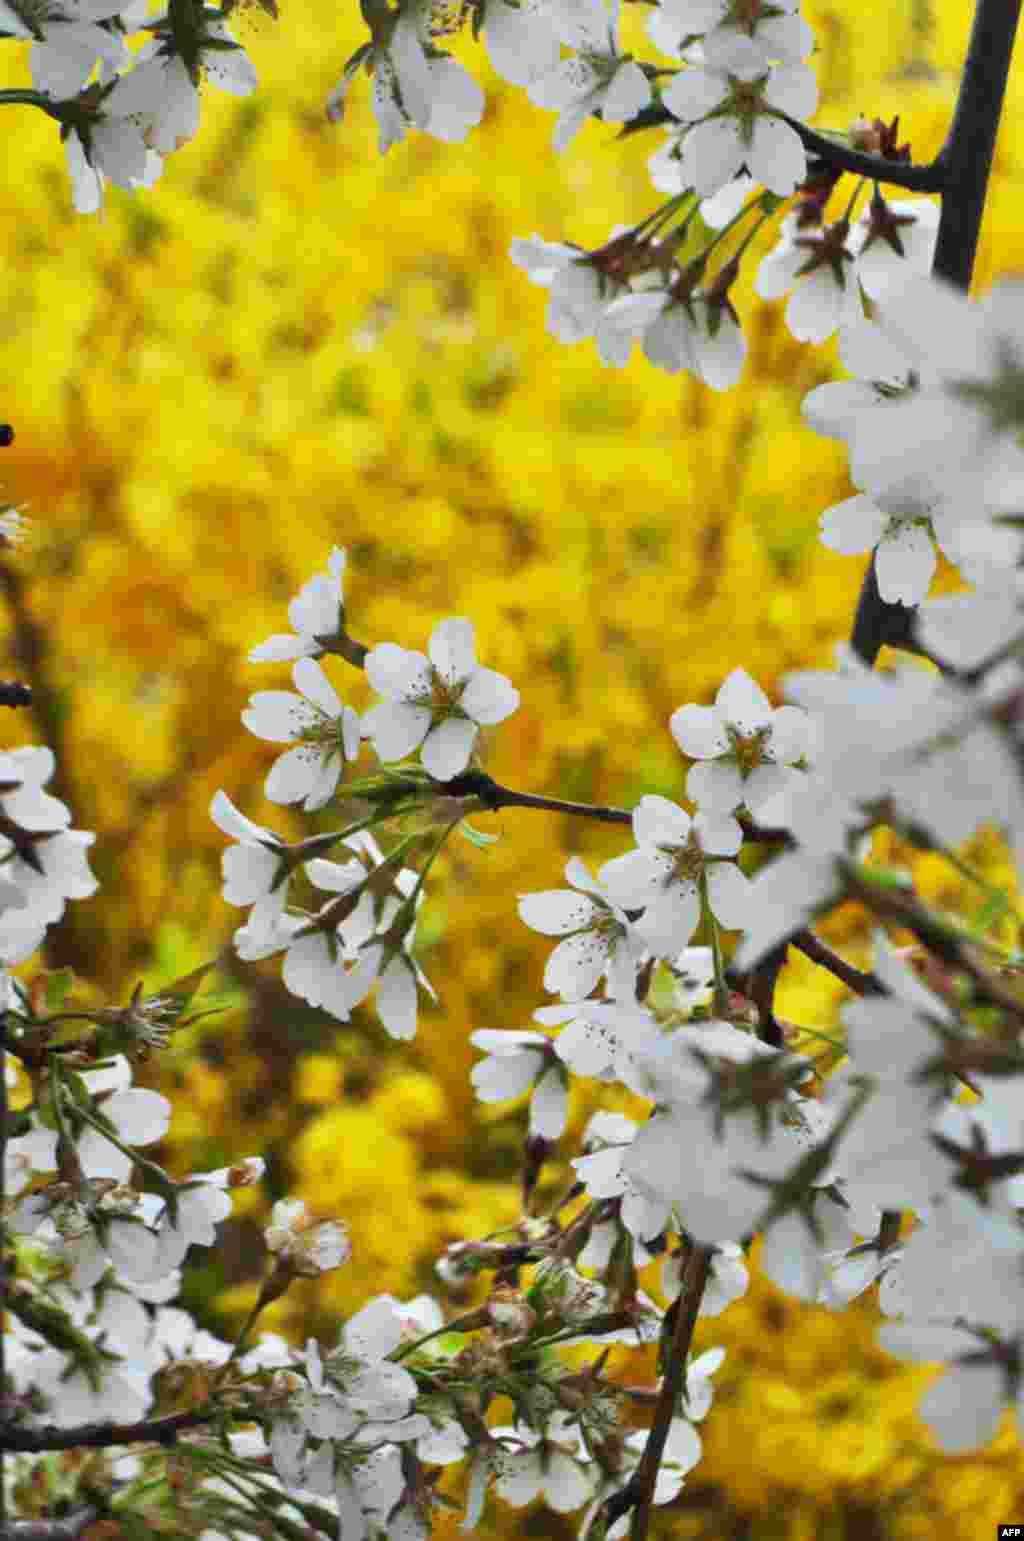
889 877
477 837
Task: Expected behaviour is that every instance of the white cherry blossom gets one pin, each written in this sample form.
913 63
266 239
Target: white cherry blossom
325 734
522 44
667 329
961 425
317 614
531 1467
596 78
819 268
606 1175
964 1406
679 859
72 43
397 977
439 703
519 1062
745 749
23 774
580 292
779 36
255 869
311 1247
160 92
602 1039
412 88
894 240
746 132
113 148
600 941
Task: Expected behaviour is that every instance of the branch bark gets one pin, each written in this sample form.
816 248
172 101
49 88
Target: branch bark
966 158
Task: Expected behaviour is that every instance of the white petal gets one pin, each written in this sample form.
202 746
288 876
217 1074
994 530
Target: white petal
742 702
658 821
310 678
627 94
396 728
729 895
452 650
397 999
447 748
549 1105
575 966
905 563
489 697
853 526
555 911
699 731
397 672
716 785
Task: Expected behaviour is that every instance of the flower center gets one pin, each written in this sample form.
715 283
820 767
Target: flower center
687 860
748 749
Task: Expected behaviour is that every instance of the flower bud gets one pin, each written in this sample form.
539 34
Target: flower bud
509 1313
563 1292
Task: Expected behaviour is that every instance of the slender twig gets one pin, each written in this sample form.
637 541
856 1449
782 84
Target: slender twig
476 783
929 178
96 1436
348 648
814 948
759 985
955 951
638 1493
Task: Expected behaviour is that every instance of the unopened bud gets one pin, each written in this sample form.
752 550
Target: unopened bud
510 1314
864 135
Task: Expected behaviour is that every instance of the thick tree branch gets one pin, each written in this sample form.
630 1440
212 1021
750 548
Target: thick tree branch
967 161
970 144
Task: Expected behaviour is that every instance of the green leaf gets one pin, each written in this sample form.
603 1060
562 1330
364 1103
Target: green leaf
885 876
477 837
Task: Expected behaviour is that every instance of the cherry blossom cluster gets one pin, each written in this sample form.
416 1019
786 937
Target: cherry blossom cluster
741 83
817 1168
647 957
665 960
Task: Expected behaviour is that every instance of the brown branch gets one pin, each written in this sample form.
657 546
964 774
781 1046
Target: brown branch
966 158
856 979
160 1431
759 985
476 783
929 178
955 951
346 647
638 1493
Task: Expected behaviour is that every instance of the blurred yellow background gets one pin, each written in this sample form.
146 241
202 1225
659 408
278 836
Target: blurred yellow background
288 344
